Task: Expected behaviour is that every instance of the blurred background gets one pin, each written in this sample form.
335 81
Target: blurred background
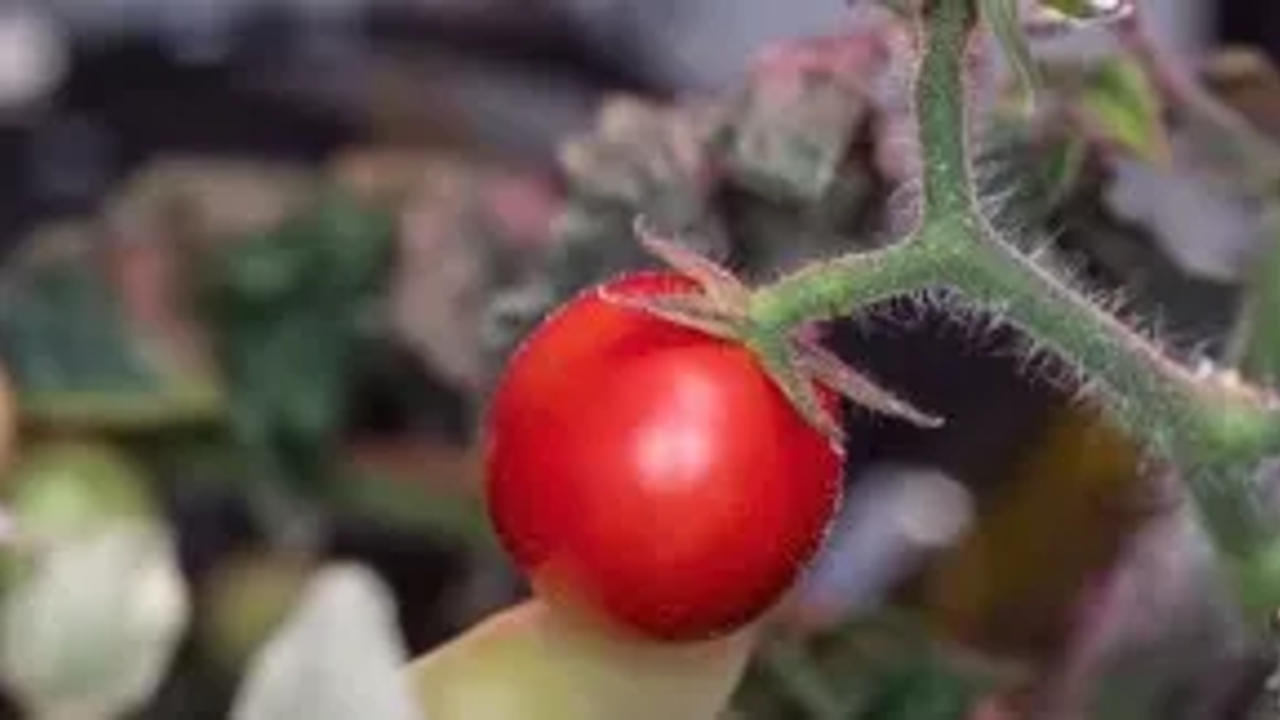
260 261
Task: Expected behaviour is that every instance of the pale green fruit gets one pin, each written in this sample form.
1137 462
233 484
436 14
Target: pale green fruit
535 663
72 489
246 598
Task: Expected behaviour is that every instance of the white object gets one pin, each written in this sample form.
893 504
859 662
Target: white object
338 657
893 519
33 55
90 632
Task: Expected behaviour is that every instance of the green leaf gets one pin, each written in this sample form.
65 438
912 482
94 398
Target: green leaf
1062 166
72 355
1122 103
1257 338
883 665
91 630
406 504
789 664
337 657
1004 18
287 308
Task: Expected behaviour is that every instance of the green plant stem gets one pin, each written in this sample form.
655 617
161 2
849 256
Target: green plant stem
1146 393
940 108
1214 432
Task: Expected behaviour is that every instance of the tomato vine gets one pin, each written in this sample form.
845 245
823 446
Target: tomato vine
1215 429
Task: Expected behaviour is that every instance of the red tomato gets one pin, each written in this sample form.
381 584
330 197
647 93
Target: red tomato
651 473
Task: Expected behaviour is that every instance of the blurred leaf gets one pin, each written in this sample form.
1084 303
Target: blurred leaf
534 663
1005 20
245 599
640 159
1062 167
181 404
1124 106
408 504
8 420
794 670
1025 177
1258 335
337 658
925 691
793 125
90 631
644 154
73 356
287 309
62 330
885 665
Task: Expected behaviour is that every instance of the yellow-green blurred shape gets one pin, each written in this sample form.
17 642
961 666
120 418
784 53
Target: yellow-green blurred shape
1071 497
8 421
67 489
246 599
535 663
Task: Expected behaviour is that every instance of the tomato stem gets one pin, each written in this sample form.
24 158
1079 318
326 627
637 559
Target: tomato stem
1215 429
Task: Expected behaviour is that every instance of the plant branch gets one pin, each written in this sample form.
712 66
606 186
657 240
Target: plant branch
1215 431
940 107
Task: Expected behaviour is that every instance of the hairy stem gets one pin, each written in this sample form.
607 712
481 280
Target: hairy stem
1145 392
1215 432
838 287
940 107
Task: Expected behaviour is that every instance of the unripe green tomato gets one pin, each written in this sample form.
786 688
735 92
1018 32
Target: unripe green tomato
69 489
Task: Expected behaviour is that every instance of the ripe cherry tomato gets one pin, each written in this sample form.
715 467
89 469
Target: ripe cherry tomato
652 474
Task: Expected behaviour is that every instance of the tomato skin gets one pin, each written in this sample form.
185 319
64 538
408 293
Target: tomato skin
651 473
